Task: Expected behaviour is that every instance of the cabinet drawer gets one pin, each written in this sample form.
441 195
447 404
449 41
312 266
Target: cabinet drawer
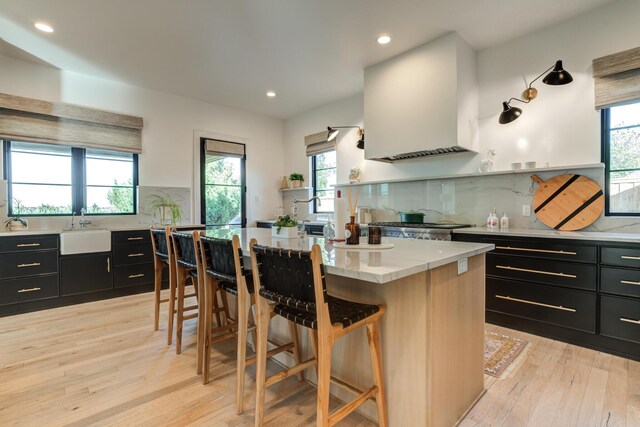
28 289
620 318
569 274
129 237
28 243
134 275
28 264
625 257
620 281
544 249
133 254
563 307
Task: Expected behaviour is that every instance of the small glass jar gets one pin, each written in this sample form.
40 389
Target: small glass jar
375 235
352 232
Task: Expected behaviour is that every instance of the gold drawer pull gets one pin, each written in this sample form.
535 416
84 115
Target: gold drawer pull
635 322
33 264
548 273
637 258
135 276
21 291
629 282
555 307
135 238
546 251
24 245
134 255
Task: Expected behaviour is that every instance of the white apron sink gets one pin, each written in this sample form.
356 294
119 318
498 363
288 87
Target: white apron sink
84 241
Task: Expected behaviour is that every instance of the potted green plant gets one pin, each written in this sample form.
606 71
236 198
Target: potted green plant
285 227
169 210
16 222
296 179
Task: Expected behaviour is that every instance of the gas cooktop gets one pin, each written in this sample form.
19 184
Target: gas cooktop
420 225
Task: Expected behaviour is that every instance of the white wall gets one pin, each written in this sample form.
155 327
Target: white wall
169 125
561 126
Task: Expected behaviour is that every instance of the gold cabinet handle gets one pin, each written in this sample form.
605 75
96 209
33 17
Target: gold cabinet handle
637 258
555 307
629 282
108 264
24 245
135 238
546 251
635 322
33 264
21 291
527 270
134 276
136 254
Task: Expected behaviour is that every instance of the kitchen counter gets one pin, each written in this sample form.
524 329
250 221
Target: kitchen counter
432 332
407 257
60 230
573 235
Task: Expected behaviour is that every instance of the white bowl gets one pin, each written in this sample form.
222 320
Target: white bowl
530 165
516 166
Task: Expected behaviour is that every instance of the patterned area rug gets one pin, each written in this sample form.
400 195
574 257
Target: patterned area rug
500 351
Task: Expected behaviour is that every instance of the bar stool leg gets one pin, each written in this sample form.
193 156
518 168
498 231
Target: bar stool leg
242 315
313 342
180 320
252 322
324 378
208 318
216 306
172 305
156 287
264 316
293 331
373 337
202 297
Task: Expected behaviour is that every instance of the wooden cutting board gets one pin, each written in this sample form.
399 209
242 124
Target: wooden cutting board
568 202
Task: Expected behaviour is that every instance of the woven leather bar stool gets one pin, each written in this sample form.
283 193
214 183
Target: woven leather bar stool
292 284
161 262
186 268
222 268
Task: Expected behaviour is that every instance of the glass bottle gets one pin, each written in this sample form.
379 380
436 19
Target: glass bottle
352 232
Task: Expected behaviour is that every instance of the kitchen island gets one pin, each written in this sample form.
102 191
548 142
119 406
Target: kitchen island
432 332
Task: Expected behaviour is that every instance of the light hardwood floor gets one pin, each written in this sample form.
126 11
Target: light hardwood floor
101 364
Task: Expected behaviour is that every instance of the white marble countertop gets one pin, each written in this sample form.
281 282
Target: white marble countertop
408 256
60 230
574 235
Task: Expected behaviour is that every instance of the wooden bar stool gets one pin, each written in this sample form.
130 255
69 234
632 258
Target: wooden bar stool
222 269
161 261
186 268
293 282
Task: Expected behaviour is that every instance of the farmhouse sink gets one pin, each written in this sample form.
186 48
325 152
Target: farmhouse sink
84 241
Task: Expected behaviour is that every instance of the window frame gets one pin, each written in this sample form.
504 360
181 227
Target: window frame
314 170
78 183
605 131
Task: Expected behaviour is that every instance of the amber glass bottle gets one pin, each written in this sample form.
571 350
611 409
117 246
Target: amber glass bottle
352 232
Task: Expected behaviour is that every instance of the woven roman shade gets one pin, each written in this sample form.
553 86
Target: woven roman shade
617 78
317 143
32 120
224 148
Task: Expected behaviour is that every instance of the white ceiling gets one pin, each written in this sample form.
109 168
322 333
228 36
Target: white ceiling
230 52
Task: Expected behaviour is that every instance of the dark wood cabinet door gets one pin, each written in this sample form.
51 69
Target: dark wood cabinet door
84 273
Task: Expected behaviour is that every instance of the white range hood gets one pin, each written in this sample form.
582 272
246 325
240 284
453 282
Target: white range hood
423 102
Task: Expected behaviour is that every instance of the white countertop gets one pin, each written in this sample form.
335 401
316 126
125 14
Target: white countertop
408 257
59 230
574 235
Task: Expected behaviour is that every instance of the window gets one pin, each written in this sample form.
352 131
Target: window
621 156
223 188
323 169
46 179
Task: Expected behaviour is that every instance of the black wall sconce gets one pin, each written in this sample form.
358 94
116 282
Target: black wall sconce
557 77
332 132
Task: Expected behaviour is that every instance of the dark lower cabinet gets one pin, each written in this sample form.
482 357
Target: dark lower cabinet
85 273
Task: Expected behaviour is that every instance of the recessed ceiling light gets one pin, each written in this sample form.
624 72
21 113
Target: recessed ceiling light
384 39
271 94
46 28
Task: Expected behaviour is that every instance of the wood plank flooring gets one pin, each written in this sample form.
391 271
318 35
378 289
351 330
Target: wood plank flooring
102 364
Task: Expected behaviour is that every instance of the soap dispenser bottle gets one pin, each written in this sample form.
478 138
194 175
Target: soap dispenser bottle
490 221
504 221
494 219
